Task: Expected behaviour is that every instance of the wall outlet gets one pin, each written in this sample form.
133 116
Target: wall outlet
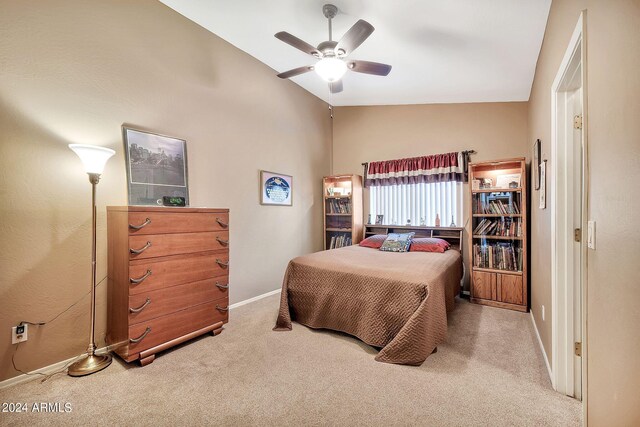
19 333
543 313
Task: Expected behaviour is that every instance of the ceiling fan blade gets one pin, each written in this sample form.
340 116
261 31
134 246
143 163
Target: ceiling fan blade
292 40
368 67
295 72
335 87
354 37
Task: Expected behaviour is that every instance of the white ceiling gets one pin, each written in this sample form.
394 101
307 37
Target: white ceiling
442 51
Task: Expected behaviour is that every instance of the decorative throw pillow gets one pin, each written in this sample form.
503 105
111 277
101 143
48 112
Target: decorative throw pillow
429 244
374 241
397 242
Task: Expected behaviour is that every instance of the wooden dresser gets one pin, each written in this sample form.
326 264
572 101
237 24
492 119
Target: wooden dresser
168 277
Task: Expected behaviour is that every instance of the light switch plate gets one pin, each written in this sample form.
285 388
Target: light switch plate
591 234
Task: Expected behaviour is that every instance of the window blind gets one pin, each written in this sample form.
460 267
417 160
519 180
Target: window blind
399 203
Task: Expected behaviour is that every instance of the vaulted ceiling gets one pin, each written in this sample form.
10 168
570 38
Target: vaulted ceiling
442 51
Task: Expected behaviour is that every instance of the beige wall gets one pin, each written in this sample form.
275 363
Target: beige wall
73 72
365 134
613 132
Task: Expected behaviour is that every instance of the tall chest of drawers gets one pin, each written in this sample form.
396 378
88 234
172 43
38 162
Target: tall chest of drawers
168 277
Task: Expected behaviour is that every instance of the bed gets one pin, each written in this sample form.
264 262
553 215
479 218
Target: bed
395 301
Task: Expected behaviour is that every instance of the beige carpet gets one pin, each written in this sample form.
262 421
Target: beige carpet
491 372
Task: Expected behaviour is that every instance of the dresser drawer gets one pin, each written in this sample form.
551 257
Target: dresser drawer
165 328
149 305
179 270
176 222
157 245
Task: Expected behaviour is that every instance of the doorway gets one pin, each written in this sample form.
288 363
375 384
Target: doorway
568 218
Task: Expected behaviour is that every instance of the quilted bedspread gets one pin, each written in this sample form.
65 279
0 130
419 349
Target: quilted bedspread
395 301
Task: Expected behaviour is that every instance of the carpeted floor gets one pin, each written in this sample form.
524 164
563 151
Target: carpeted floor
491 372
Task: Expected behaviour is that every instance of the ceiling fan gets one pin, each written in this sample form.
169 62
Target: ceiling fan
331 54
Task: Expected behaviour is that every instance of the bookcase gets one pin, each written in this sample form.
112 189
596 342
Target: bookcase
342 210
499 234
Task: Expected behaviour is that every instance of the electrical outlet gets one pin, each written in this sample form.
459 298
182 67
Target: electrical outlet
543 313
19 333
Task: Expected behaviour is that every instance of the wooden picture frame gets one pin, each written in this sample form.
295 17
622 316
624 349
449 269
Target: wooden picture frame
276 189
535 164
156 167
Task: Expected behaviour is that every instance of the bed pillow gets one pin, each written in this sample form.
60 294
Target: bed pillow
396 242
374 241
429 244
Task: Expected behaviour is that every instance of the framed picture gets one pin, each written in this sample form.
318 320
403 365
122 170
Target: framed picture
511 180
156 167
543 185
276 189
379 219
535 165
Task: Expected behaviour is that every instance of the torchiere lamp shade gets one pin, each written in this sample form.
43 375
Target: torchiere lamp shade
93 158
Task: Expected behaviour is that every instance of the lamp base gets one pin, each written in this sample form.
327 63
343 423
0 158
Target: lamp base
90 364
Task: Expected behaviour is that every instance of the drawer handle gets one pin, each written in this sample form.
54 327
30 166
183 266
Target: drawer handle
222 287
222 264
222 309
144 224
141 337
222 241
142 307
141 278
142 249
222 224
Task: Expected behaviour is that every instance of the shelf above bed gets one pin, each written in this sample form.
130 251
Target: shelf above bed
453 235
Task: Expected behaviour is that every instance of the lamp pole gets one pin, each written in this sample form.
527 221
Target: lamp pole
94 178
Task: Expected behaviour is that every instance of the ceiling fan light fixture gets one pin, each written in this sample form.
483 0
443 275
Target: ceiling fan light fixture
330 69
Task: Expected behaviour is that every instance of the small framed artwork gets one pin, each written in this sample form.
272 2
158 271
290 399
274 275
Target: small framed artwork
511 180
379 219
543 185
535 165
156 167
276 189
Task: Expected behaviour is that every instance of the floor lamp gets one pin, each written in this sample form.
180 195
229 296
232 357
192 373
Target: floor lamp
93 158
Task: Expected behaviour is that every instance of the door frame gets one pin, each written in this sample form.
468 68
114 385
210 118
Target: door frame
562 295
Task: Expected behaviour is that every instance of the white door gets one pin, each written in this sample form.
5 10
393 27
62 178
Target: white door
574 137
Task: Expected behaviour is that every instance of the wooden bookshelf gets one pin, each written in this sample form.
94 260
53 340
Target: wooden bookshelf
342 213
498 247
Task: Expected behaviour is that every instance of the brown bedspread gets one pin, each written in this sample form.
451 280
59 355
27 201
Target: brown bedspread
396 301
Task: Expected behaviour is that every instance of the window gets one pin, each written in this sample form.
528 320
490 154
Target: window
398 203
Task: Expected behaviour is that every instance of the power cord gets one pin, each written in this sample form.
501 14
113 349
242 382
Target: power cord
24 322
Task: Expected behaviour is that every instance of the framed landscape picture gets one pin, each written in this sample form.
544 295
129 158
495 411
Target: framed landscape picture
156 167
276 189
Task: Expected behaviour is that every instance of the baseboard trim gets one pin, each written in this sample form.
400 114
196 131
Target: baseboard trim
47 370
544 353
254 299
22 378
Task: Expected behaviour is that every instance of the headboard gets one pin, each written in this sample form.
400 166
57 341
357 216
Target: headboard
453 235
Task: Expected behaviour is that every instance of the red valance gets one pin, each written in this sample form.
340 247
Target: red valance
437 168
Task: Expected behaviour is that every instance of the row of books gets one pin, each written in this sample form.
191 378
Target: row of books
499 227
342 206
340 241
495 207
500 256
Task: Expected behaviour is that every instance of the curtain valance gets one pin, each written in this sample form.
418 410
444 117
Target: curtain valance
437 168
